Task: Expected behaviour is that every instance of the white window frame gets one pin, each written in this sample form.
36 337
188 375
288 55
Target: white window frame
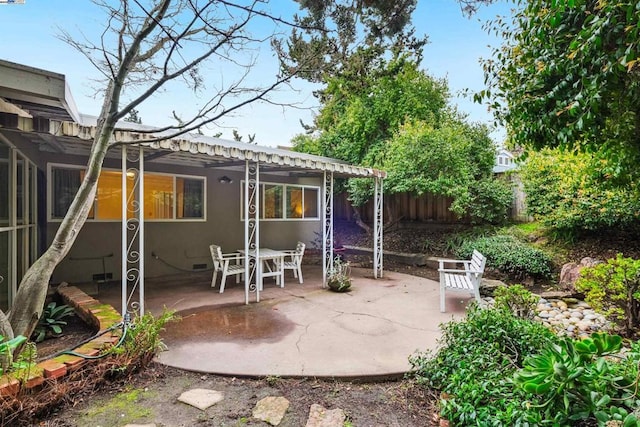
50 218
284 200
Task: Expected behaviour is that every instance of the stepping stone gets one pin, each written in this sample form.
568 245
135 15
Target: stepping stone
321 417
271 409
201 398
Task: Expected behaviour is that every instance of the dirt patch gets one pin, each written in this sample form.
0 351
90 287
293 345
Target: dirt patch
73 333
151 397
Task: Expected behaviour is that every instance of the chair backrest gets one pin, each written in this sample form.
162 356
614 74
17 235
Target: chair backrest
216 255
300 248
478 262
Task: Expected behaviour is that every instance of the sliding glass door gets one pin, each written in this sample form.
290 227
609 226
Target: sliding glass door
18 219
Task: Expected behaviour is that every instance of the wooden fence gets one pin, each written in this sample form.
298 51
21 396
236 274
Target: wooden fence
425 208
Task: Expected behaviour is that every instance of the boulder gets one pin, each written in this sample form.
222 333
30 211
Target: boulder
571 272
489 286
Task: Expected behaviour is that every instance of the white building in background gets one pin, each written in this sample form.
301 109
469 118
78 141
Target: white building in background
505 161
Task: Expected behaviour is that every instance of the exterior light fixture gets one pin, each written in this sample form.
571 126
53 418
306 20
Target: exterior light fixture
225 180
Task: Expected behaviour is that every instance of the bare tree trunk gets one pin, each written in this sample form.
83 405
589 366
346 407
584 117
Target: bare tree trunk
5 327
358 220
32 292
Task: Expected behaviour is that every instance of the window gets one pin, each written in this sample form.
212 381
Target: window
272 201
166 197
286 201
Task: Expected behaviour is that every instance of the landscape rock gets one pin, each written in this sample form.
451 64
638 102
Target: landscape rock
489 286
201 398
322 417
271 409
570 272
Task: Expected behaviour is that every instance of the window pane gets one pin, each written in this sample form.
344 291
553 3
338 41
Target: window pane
108 203
311 203
4 186
4 270
65 184
20 191
158 197
294 202
272 201
190 195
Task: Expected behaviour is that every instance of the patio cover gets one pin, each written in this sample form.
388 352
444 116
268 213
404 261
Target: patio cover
139 145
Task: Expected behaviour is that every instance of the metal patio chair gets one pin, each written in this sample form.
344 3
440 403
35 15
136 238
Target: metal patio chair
293 261
223 263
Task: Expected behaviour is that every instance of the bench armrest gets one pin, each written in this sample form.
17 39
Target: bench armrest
452 270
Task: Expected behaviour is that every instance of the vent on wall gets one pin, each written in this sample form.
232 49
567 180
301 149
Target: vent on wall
102 277
199 266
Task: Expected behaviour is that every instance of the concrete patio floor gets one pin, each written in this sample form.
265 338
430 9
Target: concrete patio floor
298 330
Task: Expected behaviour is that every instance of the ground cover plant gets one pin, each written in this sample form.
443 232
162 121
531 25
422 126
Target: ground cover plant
473 365
509 255
497 369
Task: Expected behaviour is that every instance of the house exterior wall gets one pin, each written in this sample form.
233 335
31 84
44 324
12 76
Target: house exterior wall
180 244
176 243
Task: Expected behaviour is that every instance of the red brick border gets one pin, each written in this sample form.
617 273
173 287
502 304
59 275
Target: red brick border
98 315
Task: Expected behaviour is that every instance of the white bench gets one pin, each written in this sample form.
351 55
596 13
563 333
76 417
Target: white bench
461 280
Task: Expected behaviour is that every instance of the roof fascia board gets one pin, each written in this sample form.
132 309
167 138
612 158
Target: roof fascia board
37 86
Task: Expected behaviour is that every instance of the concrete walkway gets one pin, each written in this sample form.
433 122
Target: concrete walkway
302 330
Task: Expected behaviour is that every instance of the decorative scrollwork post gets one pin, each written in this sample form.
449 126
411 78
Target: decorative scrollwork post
132 231
378 226
327 227
251 229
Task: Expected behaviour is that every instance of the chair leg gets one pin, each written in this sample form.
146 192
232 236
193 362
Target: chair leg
213 280
299 274
223 281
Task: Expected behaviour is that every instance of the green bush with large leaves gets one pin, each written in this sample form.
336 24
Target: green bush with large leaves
570 192
575 381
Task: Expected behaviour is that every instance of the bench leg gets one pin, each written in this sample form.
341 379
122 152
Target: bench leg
442 291
476 292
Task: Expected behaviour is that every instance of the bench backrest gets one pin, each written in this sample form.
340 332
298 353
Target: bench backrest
478 262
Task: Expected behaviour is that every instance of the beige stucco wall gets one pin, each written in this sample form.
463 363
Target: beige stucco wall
181 244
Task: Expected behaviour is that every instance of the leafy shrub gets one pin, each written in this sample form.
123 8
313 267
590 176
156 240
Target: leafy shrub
50 323
142 340
339 279
472 366
7 348
576 382
571 192
614 289
490 201
509 255
517 300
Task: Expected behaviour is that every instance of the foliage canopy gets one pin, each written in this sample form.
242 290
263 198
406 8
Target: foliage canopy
568 76
399 119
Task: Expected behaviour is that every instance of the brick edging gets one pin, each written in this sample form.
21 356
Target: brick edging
94 313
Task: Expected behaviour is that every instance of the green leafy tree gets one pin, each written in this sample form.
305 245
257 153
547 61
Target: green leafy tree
399 120
568 75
